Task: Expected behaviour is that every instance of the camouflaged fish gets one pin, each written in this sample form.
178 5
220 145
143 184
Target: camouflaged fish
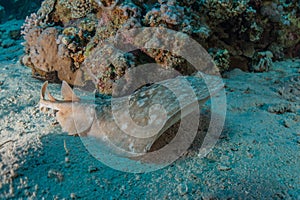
132 123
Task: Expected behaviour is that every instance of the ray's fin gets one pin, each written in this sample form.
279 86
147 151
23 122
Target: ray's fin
67 92
51 98
43 90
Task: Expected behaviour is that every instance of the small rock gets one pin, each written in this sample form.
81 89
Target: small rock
234 149
56 174
137 178
92 169
250 155
212 157
287 123
182 189
73 196
224 168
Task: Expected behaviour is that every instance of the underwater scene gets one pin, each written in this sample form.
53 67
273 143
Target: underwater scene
150 99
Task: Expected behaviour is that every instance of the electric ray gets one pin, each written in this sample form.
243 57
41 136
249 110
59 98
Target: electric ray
131 124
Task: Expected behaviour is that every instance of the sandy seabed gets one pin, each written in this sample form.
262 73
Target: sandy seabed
256 157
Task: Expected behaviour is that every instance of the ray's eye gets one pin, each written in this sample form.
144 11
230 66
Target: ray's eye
44 109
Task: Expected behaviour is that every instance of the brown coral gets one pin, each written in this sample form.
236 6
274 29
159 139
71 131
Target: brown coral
42 55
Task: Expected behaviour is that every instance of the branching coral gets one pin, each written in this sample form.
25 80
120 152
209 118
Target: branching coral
221 58
262 61
76 8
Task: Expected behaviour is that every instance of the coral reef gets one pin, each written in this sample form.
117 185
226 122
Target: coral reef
237 34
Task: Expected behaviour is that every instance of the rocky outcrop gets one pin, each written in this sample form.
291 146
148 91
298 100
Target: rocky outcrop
234 33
